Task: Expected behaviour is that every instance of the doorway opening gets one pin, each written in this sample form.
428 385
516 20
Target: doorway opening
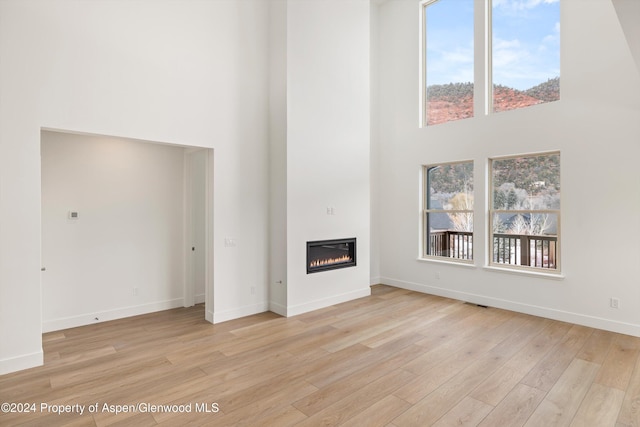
121 221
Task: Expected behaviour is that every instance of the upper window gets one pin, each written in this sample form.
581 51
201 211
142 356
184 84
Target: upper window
525 211
525 53
447 27
448 211
522 61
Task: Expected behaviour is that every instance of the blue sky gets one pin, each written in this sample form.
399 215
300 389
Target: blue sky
526 40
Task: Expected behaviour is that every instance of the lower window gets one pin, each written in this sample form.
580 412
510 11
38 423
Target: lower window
448 211
525 211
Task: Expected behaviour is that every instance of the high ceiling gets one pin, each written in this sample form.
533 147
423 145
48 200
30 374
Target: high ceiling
629 16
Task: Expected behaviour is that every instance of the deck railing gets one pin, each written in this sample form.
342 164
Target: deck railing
512 249
529 250
451 244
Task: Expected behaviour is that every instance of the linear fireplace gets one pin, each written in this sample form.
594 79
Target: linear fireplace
323 255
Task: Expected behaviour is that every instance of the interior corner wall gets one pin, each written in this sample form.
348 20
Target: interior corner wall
123 254
628 12
278 156
327 154
374 274
596 128
187 73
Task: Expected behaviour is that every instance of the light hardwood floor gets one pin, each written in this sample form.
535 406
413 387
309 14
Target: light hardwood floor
397 358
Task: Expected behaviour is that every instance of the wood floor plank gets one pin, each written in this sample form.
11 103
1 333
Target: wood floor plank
437 403
515 408
565 397
439 373
597 347
630 412
501 382
600 407
396 358
545 374
275 407
375 357
359 401
619 363
379 414
469 412
338 390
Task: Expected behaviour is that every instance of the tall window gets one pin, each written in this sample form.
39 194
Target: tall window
448 211
522 41
448 60
525 51
525 211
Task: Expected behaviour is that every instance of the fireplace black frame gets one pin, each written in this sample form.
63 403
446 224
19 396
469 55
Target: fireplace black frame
351 242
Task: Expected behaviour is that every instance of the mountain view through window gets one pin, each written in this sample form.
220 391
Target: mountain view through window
524 56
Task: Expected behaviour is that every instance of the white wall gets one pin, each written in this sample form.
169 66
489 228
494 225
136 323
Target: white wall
327 145
374 144
124 254
278 156
596 126
197 229
191 73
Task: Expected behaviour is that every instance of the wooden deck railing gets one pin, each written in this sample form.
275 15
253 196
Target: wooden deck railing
451 244
528 250
512 249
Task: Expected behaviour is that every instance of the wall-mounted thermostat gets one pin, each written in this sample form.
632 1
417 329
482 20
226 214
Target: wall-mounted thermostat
73 215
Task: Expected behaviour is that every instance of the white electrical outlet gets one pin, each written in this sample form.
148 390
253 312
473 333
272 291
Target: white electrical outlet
135 292
614 303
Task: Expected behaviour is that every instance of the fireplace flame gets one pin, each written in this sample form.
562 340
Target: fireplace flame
330 261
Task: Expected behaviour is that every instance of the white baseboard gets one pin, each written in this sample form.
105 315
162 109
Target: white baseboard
534 310
198 299
278 309
375 280
326 302
19 363
236 313
103 316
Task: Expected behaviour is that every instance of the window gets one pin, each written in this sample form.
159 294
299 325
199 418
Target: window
522 41
525 211
447 27
448 211
525 46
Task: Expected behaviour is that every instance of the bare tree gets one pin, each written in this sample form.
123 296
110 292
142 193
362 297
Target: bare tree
462 221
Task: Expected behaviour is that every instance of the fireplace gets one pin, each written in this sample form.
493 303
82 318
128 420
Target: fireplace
323 255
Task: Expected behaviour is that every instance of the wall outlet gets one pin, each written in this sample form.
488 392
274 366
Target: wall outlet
135 292
229 242
253 290
614 303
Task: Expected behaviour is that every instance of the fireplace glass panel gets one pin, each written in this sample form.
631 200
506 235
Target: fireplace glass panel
325 255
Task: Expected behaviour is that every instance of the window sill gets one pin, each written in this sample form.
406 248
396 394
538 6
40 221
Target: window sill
468 264
530 273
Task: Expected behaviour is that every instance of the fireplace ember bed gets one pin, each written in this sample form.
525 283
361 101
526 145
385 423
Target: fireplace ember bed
323 255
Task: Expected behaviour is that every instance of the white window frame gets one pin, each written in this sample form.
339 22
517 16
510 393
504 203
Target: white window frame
426 211
422 108
491 211
483 93
423 100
